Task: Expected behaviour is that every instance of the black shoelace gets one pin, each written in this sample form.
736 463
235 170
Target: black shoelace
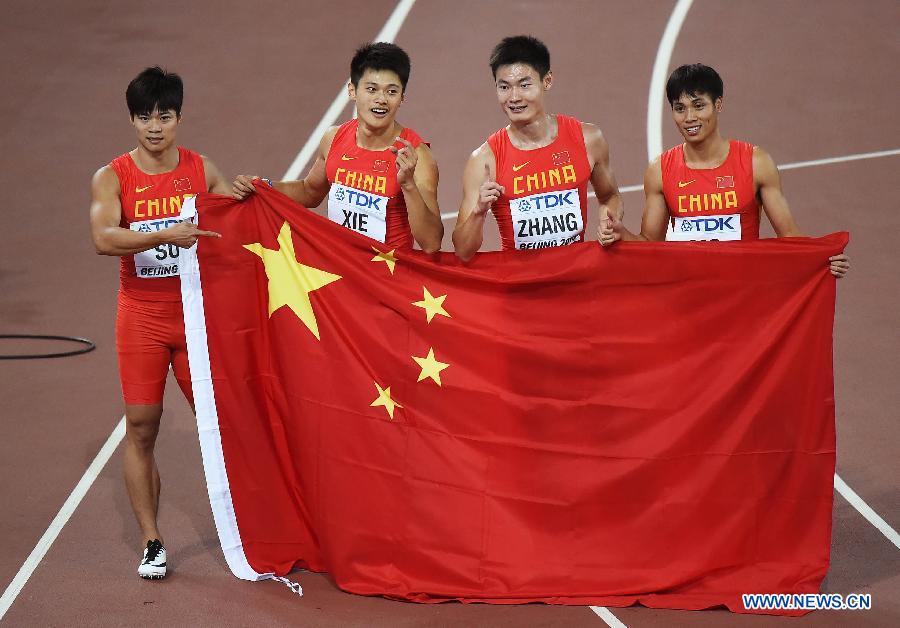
154 547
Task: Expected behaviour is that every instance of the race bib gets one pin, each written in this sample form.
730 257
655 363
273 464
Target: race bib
545 220
725 227
160 261
362 212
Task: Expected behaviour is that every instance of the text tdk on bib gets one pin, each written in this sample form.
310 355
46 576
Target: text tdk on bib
161 260
362 212
697 228
548 219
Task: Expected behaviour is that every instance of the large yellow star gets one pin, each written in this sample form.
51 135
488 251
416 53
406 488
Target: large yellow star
430 367
432 305
290 282
388 258
384 399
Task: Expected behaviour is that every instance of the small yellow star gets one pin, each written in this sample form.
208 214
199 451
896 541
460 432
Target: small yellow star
384 399
430 367
432 305
290 282
388 258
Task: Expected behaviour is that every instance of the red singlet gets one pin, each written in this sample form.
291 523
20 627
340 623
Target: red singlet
715 203
365 196
151 202
545 199
149 320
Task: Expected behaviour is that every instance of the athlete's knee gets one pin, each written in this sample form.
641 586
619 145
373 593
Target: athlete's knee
142 425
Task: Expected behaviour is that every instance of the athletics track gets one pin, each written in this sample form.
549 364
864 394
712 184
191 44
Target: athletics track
812 83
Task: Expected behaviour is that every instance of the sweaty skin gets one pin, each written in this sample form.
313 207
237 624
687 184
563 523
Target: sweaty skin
521 94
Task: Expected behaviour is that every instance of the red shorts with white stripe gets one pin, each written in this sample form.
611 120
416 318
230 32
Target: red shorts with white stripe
149 338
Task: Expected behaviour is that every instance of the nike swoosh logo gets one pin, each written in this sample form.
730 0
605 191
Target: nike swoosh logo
684 184
520 166
139 190
345 158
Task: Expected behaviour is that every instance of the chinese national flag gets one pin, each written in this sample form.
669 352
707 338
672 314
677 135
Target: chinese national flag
649 423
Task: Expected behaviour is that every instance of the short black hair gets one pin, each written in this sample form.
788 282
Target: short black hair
154 88
380 56
694 79
521 49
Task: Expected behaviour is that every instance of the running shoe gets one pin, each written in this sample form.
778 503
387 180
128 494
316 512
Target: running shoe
153 567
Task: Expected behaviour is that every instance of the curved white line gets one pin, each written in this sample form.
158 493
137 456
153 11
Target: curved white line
659 76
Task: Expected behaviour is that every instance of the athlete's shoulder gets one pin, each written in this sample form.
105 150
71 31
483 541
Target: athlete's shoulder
105 175
591 132
483 152
329 136
675 151
671 157
412 136
346 128
764 168
123 164
758 151
653 174
105 183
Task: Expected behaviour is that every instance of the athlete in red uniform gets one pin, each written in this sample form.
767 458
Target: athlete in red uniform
380 177
136 200
533 173
709 188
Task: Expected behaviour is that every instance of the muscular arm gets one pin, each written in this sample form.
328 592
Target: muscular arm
655 219
309 191
106 216
479 191
768 184
312 189
420 195
215 182
602 178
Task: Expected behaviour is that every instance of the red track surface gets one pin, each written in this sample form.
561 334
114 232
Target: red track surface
805 81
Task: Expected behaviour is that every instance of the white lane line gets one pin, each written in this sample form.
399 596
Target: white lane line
604 613
866 511
62 517
660 75
838 160
792 166
388 33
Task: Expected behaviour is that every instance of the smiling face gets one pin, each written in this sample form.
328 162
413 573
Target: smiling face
378 96
696 116
156 130
520 91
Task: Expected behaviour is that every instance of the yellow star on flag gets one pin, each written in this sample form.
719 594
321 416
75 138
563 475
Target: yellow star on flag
388 258
290 282
430 367
432 305
384 399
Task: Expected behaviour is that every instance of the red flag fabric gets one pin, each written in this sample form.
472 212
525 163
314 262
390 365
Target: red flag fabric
649 423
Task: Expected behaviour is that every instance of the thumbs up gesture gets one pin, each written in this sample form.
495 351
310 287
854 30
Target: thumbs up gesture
488 193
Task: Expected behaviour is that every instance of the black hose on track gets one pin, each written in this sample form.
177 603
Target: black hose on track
88 346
